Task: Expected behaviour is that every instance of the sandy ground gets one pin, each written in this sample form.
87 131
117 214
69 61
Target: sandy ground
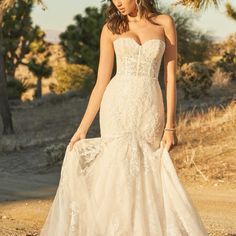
216 205
27 189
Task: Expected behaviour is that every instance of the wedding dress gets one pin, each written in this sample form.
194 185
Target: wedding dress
124 183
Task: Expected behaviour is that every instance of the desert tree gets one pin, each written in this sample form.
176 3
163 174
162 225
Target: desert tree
5 6
203 4
18 33
198 4
39 61
80 41
4 105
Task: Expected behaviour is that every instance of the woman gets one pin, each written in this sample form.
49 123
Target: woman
124 182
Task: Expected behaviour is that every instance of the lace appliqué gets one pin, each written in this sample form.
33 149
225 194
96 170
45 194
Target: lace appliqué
74 219
88 150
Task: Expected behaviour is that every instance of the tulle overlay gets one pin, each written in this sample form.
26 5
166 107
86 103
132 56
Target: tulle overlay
124 183
103 190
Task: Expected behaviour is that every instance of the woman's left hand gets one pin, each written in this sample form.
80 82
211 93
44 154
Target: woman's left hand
169 139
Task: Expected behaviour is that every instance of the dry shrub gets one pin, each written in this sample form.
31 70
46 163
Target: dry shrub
220 78
207 144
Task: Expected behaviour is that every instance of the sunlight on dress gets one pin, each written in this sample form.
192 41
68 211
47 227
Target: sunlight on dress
124 183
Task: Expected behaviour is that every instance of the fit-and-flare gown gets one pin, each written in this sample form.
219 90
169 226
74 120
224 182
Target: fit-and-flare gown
124 183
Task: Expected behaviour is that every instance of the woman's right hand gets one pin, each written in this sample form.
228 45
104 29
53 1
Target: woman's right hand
79 134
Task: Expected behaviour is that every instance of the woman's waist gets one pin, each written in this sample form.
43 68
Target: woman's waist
126 76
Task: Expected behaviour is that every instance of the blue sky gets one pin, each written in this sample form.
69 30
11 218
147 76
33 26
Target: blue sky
60 14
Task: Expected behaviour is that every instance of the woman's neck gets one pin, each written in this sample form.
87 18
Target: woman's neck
134 17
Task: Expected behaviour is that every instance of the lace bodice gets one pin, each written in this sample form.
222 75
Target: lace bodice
134 59
132 102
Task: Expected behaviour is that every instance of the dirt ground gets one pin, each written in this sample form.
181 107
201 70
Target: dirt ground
216 205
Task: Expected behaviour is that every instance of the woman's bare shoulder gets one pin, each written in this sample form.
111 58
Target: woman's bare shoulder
106 32
165 20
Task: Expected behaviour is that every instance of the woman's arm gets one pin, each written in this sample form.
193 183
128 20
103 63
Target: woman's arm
105 67
170 61
170 64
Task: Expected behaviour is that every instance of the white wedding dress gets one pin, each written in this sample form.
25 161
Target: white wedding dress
124 183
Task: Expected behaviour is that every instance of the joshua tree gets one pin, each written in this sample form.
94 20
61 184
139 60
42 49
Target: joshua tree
203 4
198 4
38 64
4 105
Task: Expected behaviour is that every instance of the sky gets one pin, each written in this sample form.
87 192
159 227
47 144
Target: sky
59 14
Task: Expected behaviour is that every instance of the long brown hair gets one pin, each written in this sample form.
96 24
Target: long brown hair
118 23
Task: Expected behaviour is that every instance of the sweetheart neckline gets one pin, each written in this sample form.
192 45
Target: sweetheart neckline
139 45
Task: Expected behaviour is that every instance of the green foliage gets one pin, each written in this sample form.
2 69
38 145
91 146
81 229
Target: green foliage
198 4
38 63
227 51
80 41
231 12
204 4
18 33
228 63
7 4
194 79
20 38
73 77
40 70
15 88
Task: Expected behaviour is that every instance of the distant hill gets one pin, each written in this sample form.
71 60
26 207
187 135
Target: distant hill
52 35
218 39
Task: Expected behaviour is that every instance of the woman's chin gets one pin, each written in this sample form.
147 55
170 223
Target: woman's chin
123 12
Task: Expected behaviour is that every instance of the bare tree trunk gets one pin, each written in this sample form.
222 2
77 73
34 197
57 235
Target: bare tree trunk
39 88
4 105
